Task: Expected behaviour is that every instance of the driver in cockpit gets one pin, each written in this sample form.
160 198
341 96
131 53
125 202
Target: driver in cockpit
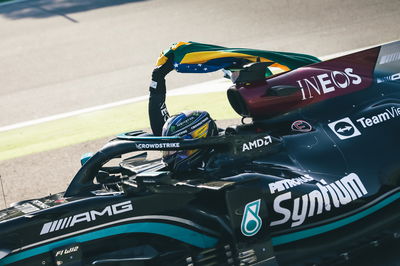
192 57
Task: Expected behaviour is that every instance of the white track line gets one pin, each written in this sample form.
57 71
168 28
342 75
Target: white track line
200 88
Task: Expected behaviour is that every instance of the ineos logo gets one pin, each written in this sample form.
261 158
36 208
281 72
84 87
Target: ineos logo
328 82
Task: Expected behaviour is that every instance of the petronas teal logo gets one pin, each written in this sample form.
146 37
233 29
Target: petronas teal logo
251 222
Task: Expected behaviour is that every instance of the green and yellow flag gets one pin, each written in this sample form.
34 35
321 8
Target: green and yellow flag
193 57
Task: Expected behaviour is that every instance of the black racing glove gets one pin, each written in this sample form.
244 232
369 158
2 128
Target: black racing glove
158 112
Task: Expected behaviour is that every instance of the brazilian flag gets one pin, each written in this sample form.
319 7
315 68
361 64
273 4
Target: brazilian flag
193 57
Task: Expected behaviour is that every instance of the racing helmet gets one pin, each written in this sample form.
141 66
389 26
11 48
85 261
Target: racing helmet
188 125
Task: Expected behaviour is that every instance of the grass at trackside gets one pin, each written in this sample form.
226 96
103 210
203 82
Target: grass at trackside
104 123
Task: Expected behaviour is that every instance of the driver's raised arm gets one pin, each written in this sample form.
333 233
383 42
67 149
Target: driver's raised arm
158 112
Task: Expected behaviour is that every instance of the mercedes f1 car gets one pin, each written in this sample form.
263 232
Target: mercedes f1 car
313 180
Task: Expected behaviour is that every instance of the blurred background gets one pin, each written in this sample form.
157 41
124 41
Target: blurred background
60 56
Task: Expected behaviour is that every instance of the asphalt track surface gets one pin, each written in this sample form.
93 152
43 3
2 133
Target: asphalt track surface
61 56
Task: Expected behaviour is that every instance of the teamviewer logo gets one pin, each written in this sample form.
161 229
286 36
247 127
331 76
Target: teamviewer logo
344 128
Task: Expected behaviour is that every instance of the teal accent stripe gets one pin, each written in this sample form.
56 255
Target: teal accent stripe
189 236
280 240
169 230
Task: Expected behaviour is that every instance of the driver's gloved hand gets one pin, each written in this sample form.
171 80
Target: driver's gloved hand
158 112
157 84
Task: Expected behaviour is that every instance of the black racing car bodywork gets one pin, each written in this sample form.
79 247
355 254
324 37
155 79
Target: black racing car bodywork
312 180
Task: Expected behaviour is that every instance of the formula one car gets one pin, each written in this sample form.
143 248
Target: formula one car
313 180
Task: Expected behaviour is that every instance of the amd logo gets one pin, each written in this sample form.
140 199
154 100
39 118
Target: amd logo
327 83
257 143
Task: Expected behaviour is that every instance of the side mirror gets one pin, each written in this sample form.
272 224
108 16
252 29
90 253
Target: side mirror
85 157
251 73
